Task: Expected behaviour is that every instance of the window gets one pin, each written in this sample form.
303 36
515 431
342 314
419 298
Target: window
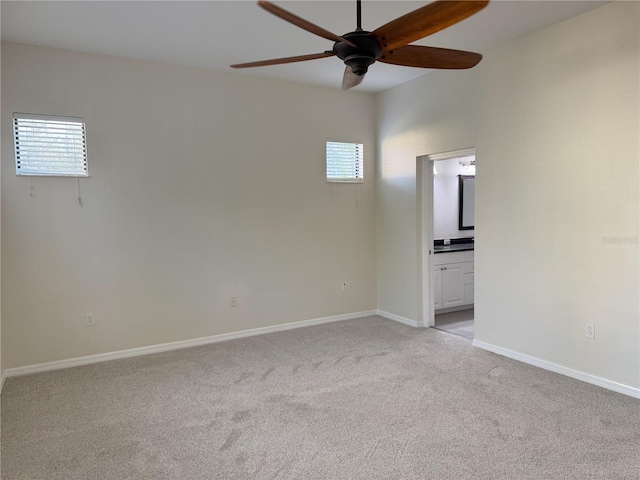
53 146
344 162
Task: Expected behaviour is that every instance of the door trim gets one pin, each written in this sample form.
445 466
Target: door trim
424 197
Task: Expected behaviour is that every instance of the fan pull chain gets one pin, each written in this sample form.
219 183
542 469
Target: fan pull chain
30 186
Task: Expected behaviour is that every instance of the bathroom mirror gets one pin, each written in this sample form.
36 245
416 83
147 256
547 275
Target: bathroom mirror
466 204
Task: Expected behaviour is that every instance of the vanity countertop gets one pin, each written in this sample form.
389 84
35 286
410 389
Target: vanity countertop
454 245
453 248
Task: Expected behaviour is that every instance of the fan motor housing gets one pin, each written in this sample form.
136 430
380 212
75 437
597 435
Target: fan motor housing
365 53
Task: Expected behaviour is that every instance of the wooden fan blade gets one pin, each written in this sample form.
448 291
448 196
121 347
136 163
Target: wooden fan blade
350 79
278 61
425 21
430 57
301 22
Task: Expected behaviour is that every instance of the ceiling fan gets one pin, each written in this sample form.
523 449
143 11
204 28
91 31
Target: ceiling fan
389 43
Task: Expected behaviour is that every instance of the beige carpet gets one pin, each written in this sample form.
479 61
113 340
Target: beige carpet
361 399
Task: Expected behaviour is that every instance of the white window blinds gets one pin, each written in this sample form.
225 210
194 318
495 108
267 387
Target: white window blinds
46 145
344 162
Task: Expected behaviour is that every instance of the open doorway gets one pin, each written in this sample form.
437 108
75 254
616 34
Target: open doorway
448 217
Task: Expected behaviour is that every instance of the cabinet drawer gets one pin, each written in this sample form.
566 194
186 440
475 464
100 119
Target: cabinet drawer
468 267
468 278
448 257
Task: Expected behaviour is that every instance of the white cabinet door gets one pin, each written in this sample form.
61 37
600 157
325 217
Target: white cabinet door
452 285
452 282
437 287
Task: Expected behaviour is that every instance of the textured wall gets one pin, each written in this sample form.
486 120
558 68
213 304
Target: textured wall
203 186
554 117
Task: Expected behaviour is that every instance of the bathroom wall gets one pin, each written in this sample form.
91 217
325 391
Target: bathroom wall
446 198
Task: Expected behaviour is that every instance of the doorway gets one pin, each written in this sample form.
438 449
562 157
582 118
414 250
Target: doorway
447 207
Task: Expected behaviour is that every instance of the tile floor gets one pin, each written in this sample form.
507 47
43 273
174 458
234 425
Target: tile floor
458 323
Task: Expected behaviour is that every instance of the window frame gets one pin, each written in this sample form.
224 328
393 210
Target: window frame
80 160
358 163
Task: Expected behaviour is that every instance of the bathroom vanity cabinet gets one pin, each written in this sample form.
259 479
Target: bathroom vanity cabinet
453 279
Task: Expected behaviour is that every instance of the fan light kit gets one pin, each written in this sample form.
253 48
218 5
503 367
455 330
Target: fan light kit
388 44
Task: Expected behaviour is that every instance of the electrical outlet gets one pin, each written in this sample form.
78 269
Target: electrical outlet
590 331
233 302
344 286
91 321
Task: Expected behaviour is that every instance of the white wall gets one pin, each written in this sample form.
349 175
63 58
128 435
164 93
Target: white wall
554 117
446 199
1 365
203 186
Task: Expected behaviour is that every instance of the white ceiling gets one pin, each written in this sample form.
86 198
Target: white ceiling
215 34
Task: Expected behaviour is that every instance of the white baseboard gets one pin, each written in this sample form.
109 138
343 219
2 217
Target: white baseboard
554 367
397 318
165 347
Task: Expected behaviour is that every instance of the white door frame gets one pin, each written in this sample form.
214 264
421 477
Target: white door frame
424 189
